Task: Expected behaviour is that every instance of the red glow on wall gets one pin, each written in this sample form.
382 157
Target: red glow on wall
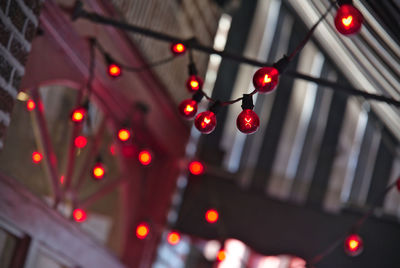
178 48
196 168
79 215
212 216
30 105
37 157
114 70
124 134
80 141
145 157
142 230
62 179
173 238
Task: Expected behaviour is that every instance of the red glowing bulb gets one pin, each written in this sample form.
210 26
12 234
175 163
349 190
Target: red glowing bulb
79 215
142 230
266 79
80 141
205 122
178 48
98 171
353 245
78 114
196 168
145 157
212 216
37 157
194 83
114 70
221 255
30 105
173 238
348 20
248 121
124 134
188 108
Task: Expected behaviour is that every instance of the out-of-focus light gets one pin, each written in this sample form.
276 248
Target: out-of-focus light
79 215
196 168
173 238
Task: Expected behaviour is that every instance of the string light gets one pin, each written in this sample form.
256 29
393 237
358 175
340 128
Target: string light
79 215
30 105
353 245
124 134
188 108
212 216
178 48
145 157
98 170
348 19
37 157
194 83
78 114
266 79
206 122
142 230
173 238
247 121
221 255
80 141
196 168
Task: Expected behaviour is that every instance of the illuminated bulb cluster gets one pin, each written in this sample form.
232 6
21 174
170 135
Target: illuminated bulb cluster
348 19
353 245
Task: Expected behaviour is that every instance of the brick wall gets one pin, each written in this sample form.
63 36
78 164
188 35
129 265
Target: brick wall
18 23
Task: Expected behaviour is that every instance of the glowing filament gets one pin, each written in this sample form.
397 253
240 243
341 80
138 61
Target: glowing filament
267 79
347 21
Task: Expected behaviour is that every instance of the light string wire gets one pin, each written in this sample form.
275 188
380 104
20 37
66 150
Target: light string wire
194 44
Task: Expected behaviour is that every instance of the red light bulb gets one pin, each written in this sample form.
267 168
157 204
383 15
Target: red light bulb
194 83
142 230
248 121
212 216
79 215
80 141
221 255
348 20
114 70
98 171
173 238
37 157
145 157
205 122
30 105
353 245
188 108
78 114
196 168
124 134
266 79
178 48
